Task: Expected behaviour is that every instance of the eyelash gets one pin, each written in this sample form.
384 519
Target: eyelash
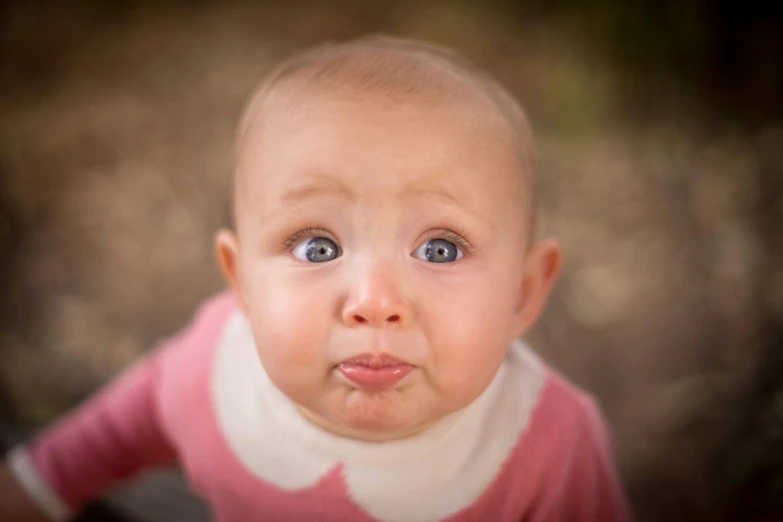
459 238
306 232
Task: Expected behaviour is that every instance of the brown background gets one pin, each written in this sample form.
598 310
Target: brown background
661 143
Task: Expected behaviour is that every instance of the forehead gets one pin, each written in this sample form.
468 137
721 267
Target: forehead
378 145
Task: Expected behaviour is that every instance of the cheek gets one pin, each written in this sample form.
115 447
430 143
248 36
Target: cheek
290 317
470 324
476 304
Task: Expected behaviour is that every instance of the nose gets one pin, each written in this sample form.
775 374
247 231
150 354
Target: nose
376 300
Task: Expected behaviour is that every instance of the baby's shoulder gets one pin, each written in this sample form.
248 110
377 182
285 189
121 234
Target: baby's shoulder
192 347
563 403
545 426
187 360
564 419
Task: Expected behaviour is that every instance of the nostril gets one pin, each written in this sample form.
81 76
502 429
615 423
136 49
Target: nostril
393 318
359 319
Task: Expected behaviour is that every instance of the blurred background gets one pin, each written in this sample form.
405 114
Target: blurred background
660 130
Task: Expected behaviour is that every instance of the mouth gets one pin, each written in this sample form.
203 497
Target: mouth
374 372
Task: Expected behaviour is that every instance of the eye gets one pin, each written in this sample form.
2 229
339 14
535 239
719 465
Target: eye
316 250
438 251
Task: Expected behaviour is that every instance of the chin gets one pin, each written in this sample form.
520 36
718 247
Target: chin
379 421
385 433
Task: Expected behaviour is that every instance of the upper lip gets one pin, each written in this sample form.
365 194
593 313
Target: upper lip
374 360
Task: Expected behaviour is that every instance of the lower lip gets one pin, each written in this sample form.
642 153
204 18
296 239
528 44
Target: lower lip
375 379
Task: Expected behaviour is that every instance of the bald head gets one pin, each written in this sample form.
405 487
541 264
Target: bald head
399 71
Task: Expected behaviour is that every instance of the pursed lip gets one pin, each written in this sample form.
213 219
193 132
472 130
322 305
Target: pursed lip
374 360
375 372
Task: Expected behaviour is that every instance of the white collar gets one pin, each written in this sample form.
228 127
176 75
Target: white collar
428 476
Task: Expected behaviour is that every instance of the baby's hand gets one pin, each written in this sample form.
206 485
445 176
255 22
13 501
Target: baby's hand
15 505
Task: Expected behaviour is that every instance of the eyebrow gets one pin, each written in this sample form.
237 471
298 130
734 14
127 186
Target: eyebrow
429 191
316 186
450 198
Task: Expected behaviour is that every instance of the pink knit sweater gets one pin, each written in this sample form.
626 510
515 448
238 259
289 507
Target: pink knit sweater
530 448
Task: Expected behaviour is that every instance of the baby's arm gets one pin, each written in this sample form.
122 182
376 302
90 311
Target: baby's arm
116 433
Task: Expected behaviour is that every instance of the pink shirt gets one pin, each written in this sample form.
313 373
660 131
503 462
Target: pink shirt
530 448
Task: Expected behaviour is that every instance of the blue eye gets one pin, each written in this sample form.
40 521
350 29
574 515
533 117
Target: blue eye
438 251
316 250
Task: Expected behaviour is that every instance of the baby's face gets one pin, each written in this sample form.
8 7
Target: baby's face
380 257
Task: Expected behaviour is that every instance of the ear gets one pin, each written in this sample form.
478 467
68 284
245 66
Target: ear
542 266
227 247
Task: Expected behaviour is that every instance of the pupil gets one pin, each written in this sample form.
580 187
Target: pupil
321 249
441 251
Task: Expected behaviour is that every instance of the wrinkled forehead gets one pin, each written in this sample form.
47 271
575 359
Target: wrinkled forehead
377 154
400 84
377 139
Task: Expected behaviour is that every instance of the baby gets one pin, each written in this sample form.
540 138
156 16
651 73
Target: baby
364 366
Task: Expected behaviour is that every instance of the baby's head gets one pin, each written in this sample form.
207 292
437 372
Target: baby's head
383 249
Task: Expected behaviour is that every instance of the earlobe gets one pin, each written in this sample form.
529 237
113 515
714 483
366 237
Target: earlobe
227 249
542 266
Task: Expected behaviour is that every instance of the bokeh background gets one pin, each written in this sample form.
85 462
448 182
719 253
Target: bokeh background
660 131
